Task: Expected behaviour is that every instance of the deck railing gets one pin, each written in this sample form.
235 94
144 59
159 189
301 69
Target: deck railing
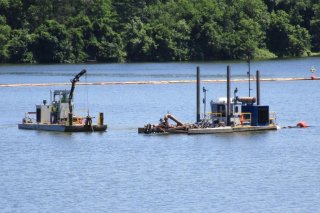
215 114
272 118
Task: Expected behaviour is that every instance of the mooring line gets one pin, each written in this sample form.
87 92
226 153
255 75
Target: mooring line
148 82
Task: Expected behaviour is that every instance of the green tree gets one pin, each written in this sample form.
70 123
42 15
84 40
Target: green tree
4 38
59 31
128 9
37 13
77 45
205 32
105 45
19 47
299 11
315 28
14 12
284 39
139 46
170 31
243 28
52 43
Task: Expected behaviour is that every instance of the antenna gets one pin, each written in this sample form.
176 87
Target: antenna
87 93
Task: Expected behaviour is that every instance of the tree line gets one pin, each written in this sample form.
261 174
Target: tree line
74 31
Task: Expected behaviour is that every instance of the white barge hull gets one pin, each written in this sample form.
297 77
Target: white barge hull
231 129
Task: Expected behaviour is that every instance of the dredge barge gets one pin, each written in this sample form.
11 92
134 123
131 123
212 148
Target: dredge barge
59 116
228 115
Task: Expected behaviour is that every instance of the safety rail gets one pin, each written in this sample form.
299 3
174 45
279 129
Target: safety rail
29 117
210 119
272 118
215 114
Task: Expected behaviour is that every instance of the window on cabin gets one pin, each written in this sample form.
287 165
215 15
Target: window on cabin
221 109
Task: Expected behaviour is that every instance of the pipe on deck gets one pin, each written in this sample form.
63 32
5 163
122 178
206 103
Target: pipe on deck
169 116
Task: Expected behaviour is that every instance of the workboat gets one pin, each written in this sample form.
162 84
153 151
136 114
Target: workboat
237 114
245 115
58 115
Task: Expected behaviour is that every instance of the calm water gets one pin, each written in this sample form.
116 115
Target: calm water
121 171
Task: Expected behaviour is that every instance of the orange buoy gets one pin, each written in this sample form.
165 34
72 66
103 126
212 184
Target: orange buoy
302 124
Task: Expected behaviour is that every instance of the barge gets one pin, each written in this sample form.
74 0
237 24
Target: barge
59 114
228 115
245 116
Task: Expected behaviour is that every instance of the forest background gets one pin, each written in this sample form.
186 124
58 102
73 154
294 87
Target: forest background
75 31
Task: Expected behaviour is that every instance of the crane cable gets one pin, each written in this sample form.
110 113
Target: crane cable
87 94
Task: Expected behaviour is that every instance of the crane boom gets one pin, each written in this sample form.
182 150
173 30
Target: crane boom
73 84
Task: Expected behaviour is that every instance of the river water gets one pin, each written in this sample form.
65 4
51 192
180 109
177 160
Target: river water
122 171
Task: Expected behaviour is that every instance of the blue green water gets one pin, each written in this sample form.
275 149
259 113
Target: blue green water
122 171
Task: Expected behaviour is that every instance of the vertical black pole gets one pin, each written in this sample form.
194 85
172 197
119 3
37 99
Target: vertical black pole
228 96
258 87
198 94
70 116
101 118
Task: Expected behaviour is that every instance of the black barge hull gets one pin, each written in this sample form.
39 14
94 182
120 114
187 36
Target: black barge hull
63 128
227 129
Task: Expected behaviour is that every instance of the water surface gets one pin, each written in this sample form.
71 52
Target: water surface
121 171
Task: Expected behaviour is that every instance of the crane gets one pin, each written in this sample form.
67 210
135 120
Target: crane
73 84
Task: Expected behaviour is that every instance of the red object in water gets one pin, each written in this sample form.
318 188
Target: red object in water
302 124
313 77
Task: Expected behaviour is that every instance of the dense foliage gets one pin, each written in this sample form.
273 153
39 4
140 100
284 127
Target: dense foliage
58 31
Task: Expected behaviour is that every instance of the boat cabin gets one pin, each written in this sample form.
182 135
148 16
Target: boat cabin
57 111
